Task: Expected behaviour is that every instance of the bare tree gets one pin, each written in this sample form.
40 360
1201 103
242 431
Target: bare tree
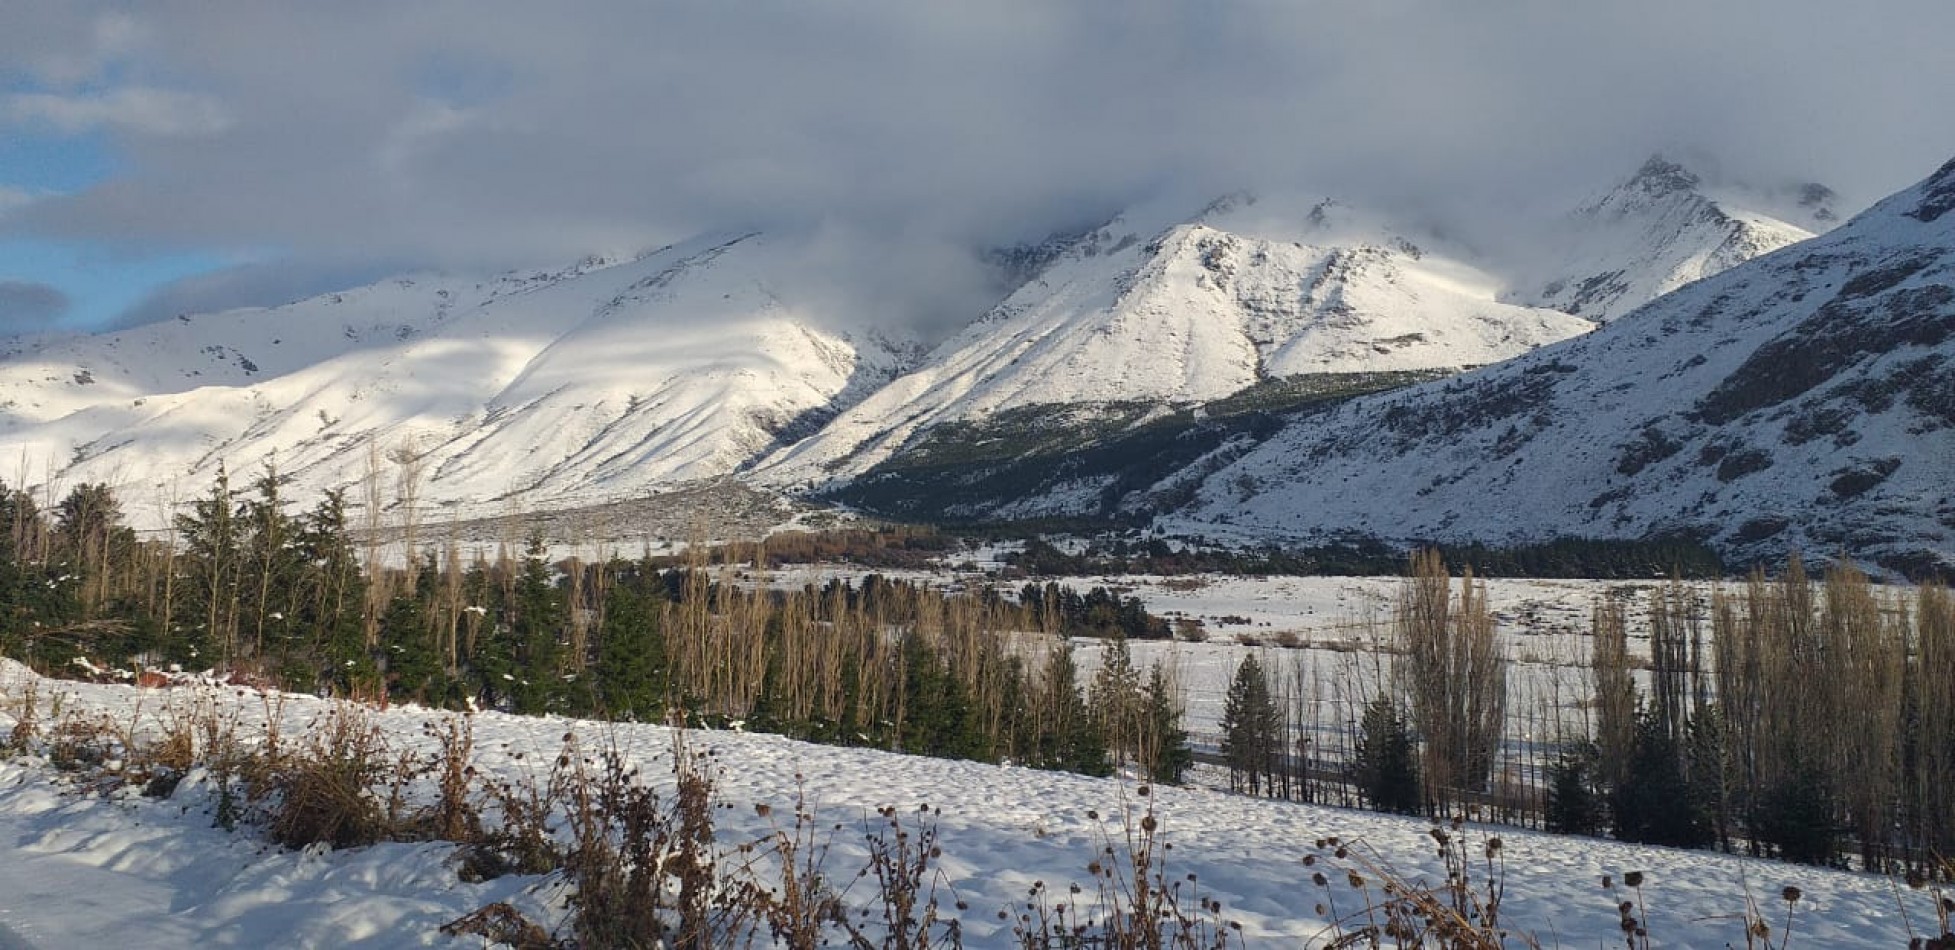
1451 664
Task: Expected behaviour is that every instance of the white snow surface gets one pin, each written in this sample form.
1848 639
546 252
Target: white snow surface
1801 401
85 868
617 378
1187 313
1655 232
542 390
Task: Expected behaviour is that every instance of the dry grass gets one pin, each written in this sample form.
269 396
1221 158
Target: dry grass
1462 912
648 868
329 791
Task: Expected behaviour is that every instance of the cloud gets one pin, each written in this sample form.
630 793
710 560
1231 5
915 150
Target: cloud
257 284
27 307
11 198
138 109
492 133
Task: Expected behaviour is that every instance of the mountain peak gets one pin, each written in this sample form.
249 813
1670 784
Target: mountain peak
1224 206
1937 194
1798 400
1817 200
1656 231
1659 176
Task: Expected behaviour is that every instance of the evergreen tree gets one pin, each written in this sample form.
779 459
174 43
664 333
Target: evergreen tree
1710 769
1387 761
212 546
1069 738
330 596
32 598
1251 730
413 667
937 716
1573 806
631 672
1796 816
539 621
1168 742
1655 803
270 562
1115 699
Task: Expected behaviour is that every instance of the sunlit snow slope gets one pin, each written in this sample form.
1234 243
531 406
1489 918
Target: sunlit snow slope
1805 400
1657 231
1187 313
541 390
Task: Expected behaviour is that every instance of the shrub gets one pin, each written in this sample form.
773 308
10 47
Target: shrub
326 792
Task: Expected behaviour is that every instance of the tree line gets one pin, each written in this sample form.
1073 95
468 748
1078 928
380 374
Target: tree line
1593 558
305 601
1809 720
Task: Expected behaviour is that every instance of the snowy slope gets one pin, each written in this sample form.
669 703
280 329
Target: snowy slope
554 388
86 869
1187 313
1805 400
614 378
1655 232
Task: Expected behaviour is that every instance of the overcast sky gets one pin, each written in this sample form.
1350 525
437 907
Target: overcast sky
271 148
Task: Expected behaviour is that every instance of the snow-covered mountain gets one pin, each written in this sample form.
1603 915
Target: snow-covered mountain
1805 400
1657 231
1187 313
543 389
614 378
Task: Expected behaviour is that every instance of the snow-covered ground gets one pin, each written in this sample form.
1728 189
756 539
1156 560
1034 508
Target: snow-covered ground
84 869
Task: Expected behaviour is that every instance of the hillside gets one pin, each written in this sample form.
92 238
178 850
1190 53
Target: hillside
1658 230
525 391
1139 315
1130 361
1800 401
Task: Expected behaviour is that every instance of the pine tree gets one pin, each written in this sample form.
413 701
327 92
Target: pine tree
1573 807
539 621
632 674
1655 803
1069 737
1251 730
212 550
1709 769
413 668
1796 816
269 563
330 598
1169 755
1116 702
1387 762
937 717
31 598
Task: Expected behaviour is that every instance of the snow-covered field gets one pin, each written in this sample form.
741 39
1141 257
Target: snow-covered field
86 869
